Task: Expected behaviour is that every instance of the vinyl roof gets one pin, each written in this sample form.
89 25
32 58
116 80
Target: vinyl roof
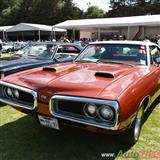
146 20
124 42
33 27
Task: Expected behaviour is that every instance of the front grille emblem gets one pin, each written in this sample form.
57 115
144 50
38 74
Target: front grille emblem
43 97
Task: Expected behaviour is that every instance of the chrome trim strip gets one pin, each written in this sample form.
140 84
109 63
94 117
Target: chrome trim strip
149 99
16 104
148 56
135 113
104 125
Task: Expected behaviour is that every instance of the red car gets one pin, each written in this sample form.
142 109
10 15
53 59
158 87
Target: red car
107 88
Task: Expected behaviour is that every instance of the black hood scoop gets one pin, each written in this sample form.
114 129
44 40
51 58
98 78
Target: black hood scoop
49 69
104 74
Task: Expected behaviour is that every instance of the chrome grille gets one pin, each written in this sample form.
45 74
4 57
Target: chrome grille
71 108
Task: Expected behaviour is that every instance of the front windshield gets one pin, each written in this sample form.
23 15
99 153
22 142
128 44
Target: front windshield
120 53
39 51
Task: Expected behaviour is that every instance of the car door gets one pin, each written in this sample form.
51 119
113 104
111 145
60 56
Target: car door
155 68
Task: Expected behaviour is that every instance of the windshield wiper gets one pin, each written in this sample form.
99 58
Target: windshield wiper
114 62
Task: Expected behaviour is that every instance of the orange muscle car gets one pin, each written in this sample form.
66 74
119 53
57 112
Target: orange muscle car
107 88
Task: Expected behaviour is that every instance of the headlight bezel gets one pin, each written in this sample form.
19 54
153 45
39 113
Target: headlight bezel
109 108
16 93
8 92
11 92
54 110
98 110
86 110
4 98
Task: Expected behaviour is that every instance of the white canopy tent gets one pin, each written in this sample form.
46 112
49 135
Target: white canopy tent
3 30
54 30
34 27
147 20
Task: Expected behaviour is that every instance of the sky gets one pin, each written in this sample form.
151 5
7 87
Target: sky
84 4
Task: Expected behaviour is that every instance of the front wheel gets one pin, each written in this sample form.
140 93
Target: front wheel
133 133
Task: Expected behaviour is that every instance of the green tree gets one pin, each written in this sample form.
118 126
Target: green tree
133 8
69 11
94 12
37 11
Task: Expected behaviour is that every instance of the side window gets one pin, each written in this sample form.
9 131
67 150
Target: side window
155 53
66 52
71 49
68 49
60 50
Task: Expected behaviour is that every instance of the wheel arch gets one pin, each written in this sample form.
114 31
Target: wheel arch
145 101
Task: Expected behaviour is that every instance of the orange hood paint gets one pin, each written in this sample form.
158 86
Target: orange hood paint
78 79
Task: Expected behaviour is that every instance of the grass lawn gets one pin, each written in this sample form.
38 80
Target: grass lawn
6 55
22 138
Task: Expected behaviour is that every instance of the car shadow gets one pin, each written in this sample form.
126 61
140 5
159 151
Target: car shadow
2 104
151 108
26 139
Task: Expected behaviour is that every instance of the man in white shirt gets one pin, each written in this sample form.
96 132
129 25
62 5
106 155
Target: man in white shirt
0 44
146 39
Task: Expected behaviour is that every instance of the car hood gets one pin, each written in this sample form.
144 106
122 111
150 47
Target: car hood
80 79
15 63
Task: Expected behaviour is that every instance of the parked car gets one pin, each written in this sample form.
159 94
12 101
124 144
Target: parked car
7 46
38 54
10 48
107 88
20 45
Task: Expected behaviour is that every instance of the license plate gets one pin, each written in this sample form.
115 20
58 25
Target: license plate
48 122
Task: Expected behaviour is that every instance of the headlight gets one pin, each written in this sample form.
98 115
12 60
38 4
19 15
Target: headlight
90 110
9 92
16 94
106 113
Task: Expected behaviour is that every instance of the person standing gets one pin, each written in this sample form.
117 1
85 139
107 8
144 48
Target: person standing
0 44
158 40
146 39
66 40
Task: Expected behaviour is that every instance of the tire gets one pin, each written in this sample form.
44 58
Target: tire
133 133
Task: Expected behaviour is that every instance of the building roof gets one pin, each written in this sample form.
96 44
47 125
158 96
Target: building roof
33 27
146 20
4 28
